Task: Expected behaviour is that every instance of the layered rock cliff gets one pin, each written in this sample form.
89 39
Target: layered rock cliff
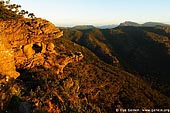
29 42
25 44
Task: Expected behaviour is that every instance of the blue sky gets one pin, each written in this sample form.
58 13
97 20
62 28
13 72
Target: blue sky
98 12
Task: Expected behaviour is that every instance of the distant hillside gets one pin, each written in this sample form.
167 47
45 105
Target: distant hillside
107 26
147 24
129 23
83 27
152 24
108 86
142 50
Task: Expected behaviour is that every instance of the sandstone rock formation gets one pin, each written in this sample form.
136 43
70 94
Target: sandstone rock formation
7 64
31 42
62 60
27 43
28 38
20 41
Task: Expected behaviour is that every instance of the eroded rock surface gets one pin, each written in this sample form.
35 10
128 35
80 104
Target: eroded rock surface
7 63
27 43
30 42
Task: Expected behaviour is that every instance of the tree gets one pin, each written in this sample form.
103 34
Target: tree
31 15
10 11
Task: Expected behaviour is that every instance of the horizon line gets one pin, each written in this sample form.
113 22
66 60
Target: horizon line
98 25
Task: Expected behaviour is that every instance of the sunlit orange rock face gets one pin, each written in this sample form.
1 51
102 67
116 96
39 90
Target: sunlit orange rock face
26 43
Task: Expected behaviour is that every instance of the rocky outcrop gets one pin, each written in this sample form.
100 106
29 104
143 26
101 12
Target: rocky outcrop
7 63
22 41
28 43
57 62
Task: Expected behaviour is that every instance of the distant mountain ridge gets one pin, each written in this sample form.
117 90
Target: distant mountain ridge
107 26
147 24
144 50
129 23
153 24
83 27
110 26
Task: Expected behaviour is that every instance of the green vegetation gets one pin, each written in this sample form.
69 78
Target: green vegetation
12 11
